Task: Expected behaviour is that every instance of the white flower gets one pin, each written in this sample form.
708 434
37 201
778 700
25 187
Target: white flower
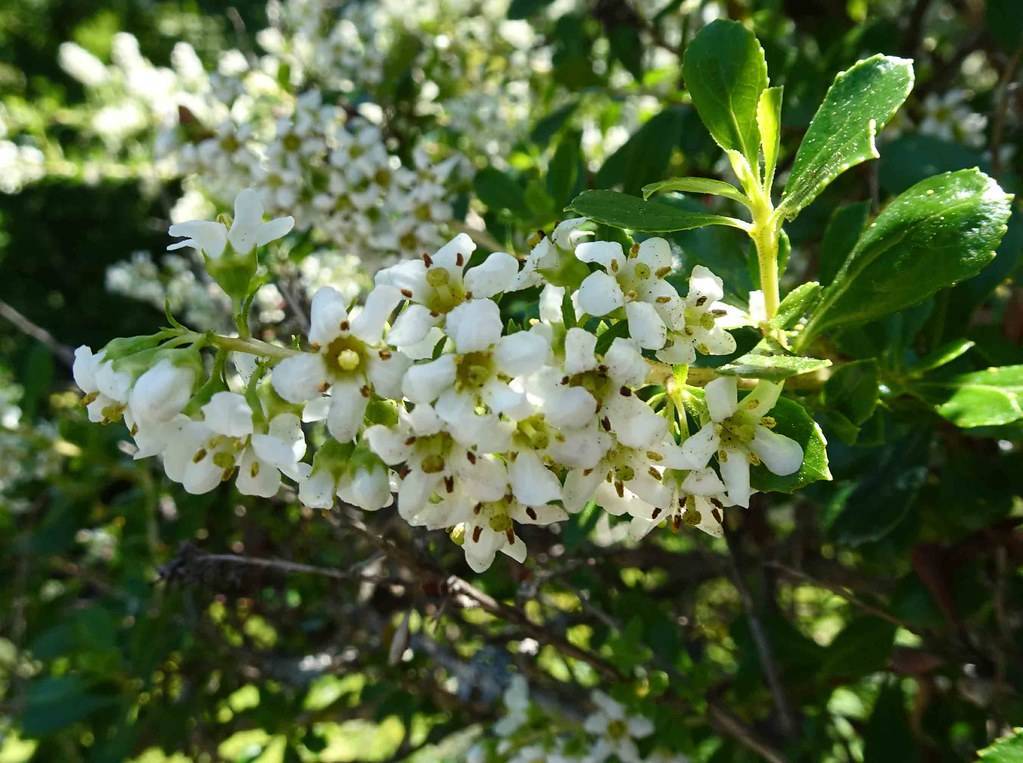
696 498
437 284
516 703
106 390
442 480
202 454
349 358
615 731
354 475
247 231
491 528
632 282
697 323
740 434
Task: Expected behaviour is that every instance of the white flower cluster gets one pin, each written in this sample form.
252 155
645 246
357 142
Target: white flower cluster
525 734
479 424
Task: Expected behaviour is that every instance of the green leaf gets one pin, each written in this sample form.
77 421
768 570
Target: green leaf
725 72
1008 749
860 102
500 191
844 229
697 185
563 171
1005 22
860 648
523 9
884 493
643 157
51 703
797 303
941 356
852 390
983 398
769 126
888 737
620 210
792 420
938 232
769 360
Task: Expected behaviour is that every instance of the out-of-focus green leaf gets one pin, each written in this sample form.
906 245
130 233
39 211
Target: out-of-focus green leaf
796 304
862 647
990 397
1008 749
888 737
860 102
852 390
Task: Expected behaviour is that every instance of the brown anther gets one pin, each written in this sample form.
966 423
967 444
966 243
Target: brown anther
625 391
654 473
531 513
477 509
471 456
676 522
410 440
602 368
365 391
620 488
614 266
406 293
657 513
403 472
510 535
564 380
719 313
315 347
717 515
662 272
459 259
606 423
428 260
449 483
385 354
701 301
344 325
324 387
662 300
476 532
634 250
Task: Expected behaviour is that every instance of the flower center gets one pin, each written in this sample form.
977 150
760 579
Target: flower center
348 354
474 369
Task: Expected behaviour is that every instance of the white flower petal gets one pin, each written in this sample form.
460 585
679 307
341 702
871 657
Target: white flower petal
390 444
368 489
570 407
580 351
633 422
762 399
521 353
347 408
386 372
300 378
645 325
368 323
326 314
704 287
580 486
551 299
780 454
228 413
720 396
492 276
655 253
208 237
532 483
256 477
424 382
411 326
600 293
603 253
700 446
474 325
317 490
735 474
625 363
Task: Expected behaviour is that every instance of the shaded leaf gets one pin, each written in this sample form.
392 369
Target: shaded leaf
620 210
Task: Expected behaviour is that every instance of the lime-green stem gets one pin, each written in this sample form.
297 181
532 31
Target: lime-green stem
248 346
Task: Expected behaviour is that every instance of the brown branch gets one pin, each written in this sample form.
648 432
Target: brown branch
731 725
763 645
62 352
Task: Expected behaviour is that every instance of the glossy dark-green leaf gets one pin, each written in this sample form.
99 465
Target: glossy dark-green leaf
937 233
769 360
619 210
859 103
852 390
697 185
844 229
725 72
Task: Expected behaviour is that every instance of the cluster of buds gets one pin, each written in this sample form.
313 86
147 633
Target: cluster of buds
479 419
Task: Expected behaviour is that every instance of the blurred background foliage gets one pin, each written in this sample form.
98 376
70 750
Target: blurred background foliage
137 623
